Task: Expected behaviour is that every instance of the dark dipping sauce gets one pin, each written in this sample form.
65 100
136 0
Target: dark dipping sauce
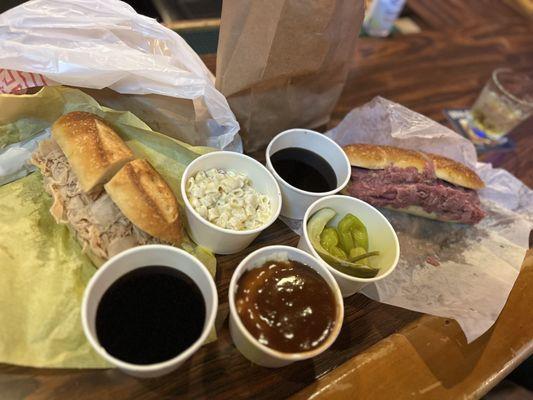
286 306
150 315
304 170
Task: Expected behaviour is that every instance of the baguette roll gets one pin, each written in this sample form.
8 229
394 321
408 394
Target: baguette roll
146 200
94 150
380 157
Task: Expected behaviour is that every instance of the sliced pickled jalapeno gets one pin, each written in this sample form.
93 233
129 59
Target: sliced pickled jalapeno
329 239
356 252
352 233
344 247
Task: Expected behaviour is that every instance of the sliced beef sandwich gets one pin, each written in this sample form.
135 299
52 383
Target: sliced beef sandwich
136 207
418 183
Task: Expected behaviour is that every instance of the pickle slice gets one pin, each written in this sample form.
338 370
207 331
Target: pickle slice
315 226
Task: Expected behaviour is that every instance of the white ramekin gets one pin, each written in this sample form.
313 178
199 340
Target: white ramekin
244 341
221 240
128 261
381 236
296 201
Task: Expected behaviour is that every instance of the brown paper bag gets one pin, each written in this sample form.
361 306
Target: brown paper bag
177 118
283 63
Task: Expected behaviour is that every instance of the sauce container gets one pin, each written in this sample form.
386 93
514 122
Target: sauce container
295 200
222 240
247 344
139 257
381 237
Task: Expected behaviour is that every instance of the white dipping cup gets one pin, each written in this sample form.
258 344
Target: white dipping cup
248 345
381 237
296 201
221 240
138 257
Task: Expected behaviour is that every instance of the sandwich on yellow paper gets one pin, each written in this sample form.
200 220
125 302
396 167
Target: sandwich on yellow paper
45 264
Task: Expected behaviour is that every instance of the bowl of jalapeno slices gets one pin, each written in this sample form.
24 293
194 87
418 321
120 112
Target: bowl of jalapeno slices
352 238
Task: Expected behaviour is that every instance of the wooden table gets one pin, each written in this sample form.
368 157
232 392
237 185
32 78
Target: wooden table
451 14
382 351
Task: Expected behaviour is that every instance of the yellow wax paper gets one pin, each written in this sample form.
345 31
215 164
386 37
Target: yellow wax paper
43 272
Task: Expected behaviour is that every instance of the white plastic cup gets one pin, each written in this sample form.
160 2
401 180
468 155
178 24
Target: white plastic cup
127 261
296 201
381 237
248 345
221 240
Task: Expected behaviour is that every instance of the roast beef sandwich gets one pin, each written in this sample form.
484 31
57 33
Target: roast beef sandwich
418 183
109 200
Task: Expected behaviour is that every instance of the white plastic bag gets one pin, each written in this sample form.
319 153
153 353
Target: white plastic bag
99 44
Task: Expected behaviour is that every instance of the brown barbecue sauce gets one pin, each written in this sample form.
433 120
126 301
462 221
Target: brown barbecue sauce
286 306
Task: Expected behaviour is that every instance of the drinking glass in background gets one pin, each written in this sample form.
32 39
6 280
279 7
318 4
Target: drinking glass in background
381 15
505 101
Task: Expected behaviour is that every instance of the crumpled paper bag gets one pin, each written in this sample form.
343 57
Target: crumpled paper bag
283 63
478 264
43 271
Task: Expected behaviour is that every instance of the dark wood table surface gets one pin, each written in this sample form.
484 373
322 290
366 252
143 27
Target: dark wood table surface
450 14
426 72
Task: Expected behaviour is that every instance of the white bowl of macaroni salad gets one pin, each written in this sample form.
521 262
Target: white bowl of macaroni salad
229 199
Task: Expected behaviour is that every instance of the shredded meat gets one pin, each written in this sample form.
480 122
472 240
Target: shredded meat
97 222
403 187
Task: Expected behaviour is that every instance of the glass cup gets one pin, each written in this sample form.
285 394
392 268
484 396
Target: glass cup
505 101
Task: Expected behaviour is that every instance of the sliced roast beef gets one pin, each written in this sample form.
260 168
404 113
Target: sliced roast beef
403 187
97 222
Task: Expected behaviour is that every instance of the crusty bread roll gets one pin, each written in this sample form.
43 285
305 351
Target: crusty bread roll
94 150
459 174
379 157
146 200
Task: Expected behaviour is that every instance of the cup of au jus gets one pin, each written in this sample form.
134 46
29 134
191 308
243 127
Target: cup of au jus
285 306
307 166
148 309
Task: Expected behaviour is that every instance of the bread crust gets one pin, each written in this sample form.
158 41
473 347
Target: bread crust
459 174
380 157
146 200
94 150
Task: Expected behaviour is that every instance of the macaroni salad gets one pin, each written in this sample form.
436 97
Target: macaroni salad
228 200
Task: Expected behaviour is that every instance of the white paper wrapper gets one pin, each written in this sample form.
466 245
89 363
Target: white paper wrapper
478 265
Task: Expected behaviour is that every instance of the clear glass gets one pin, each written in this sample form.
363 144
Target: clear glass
505 101
381 17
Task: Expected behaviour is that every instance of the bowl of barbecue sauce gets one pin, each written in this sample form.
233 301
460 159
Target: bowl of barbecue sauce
149 308
307 166
284 307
